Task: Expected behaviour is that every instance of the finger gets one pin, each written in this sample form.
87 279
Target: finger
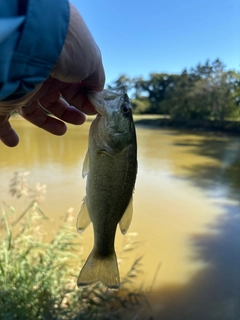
49 86
61 109
7 135
75 94
34 114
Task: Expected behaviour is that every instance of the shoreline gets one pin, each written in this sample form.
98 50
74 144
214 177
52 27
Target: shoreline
164 122
226 126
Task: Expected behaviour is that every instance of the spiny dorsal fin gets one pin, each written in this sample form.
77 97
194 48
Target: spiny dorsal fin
83 219
127 217
85 165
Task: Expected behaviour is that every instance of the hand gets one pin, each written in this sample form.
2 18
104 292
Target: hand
78 69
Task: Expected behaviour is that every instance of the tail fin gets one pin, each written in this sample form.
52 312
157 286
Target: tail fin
100 268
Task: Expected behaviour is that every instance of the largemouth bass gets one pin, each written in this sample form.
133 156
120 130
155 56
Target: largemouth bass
111 168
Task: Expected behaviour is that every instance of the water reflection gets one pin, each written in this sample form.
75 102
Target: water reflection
186 210
213 292
224 171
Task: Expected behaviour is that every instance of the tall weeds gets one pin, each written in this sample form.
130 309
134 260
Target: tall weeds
38 277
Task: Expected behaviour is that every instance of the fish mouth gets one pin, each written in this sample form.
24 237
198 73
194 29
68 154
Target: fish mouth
97 100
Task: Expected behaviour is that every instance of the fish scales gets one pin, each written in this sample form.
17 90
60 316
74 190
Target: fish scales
119 193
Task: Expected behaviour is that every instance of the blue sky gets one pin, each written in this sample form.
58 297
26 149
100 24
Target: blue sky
140 37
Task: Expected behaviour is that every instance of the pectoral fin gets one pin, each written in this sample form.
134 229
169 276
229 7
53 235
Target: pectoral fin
85 165
126 218
83 219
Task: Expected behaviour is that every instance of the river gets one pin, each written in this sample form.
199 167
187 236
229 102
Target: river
186 211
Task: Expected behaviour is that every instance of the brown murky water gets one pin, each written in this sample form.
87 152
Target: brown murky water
186 211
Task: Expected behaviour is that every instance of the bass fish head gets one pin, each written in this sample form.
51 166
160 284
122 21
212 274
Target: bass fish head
114 126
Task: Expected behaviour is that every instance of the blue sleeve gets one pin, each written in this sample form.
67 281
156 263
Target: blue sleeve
32 34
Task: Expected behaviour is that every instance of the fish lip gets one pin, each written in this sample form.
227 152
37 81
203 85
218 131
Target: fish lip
100 111
99 102
99 115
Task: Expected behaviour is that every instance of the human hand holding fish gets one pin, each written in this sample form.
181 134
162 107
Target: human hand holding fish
78 68
111 168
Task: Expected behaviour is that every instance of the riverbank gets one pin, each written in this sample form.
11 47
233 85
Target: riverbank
227 126
162 121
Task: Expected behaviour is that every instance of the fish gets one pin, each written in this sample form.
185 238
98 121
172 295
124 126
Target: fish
110 165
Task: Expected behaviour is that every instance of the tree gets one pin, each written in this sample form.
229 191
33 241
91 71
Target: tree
206 91
123 80
155 90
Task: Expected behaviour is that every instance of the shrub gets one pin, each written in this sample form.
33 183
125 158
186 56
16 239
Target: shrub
38 277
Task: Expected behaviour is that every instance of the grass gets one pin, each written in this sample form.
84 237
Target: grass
38 278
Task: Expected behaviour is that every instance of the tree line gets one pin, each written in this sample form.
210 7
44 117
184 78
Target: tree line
208 91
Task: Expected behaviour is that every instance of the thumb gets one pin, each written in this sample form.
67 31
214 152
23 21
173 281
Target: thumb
80 57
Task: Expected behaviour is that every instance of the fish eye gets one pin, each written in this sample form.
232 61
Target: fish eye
125 108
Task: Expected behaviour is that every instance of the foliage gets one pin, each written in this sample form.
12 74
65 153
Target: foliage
141 106
207 91
38 277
